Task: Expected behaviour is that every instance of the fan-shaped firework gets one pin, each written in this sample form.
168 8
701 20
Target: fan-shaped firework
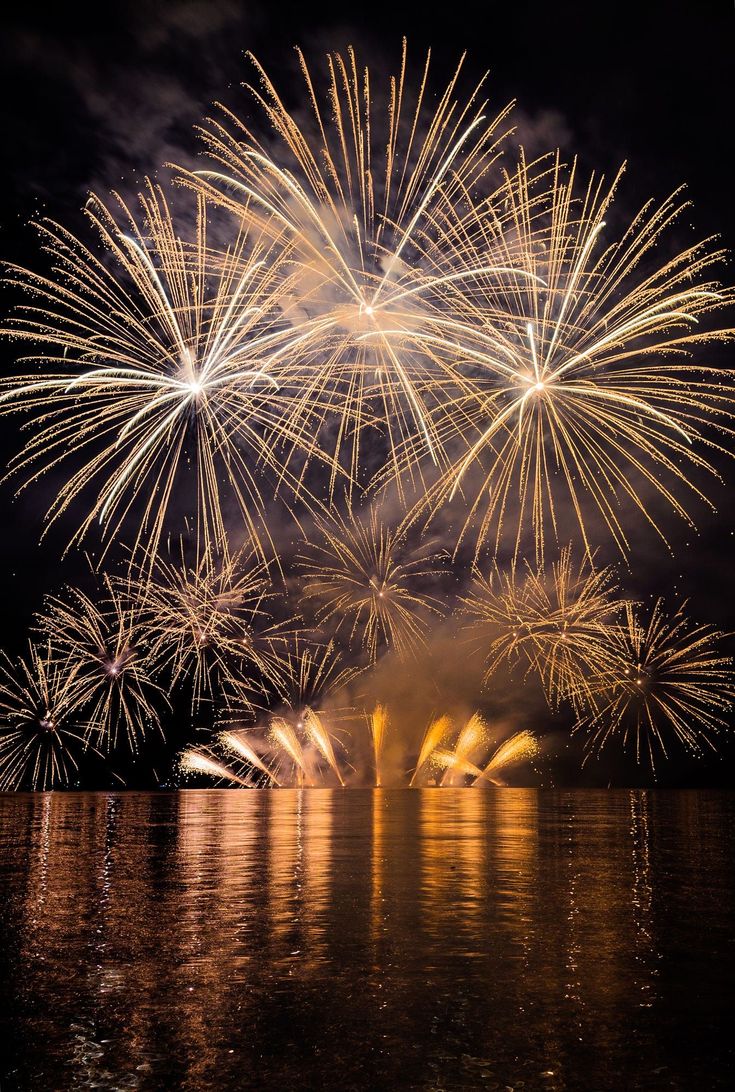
554 623
302 752
381 200
366 582
103 645
208 621
40 733
592 396
667 682
159 357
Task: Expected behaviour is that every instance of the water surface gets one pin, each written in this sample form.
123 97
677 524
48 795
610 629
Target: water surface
367 939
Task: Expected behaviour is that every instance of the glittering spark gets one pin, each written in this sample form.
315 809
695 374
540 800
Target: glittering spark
40 734
161 364
104 644
593 388
552 621
367 584
668 682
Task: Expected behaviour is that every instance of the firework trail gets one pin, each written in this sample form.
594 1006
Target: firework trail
378 725
435 732
521 747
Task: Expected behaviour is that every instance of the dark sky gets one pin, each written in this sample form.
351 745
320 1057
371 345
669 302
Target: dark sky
98 101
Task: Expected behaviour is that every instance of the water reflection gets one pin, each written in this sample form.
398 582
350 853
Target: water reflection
365 939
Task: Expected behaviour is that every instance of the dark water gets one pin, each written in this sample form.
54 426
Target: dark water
367 940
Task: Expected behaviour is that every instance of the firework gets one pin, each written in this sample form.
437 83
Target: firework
586 385
435 732
238 745
40 734
470 739
317 734
294 748
382 208
366 583
668 681
161 362
285 738
555 623
378 724
103 645
521 747
310 673
198 762
208 620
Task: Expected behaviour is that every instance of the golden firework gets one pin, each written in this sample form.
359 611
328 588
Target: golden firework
40 732
208 621
383 206
366 582
103 645
592 387
162 362
667 681
554 623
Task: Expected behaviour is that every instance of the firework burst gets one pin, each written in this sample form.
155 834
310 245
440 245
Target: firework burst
554 623
208 621
161 362
366 583
667 681
588 392
381 203
104 647
40 734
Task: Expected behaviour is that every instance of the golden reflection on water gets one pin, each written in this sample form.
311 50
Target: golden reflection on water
209 925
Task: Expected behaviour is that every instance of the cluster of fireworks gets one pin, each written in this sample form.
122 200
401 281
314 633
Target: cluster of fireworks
375 320
308 753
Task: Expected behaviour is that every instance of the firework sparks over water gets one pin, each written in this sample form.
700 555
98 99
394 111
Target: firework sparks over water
304 754
667 682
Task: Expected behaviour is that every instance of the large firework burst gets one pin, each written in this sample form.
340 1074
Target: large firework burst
588 390
382 199
162 362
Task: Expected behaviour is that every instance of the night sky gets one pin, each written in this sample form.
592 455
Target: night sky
95 102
